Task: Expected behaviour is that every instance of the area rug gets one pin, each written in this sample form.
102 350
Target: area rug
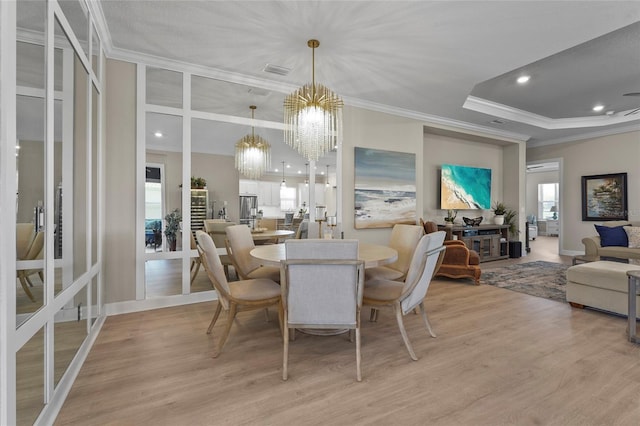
540 278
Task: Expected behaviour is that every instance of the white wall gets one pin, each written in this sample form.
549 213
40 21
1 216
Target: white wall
533 180
440 150
363 128
609 154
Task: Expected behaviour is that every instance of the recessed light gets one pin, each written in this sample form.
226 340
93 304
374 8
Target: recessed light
288 166
299 171
523 79
158 134
275 170
598 108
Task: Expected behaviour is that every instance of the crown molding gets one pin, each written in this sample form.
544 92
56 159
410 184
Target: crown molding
514 114
585 136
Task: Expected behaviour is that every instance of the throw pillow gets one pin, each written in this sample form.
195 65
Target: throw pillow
612 236
633 235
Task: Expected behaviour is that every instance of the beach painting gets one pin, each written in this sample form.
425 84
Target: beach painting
385 188
463 187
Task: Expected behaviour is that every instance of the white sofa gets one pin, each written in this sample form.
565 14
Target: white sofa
601 285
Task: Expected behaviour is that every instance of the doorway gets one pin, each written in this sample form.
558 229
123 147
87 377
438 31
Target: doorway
544 205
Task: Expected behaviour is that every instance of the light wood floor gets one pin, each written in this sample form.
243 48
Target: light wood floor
500 358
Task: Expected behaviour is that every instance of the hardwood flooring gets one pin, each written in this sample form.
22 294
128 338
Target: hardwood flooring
500 358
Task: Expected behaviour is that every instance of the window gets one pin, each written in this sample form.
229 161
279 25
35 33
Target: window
548 200
287 199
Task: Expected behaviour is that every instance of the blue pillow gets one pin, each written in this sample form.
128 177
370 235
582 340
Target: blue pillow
612 236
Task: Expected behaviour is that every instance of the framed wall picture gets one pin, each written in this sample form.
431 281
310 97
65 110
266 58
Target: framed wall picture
385 188
604 197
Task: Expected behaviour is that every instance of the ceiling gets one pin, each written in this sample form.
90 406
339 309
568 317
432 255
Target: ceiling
451 64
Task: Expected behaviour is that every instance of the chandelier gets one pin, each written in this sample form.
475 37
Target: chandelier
253 154
312 116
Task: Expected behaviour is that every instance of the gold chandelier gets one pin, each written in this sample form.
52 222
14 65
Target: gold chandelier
312 116
253 154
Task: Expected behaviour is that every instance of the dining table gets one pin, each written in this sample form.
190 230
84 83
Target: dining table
372 254
271 234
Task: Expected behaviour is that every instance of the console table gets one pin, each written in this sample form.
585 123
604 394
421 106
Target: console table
490 241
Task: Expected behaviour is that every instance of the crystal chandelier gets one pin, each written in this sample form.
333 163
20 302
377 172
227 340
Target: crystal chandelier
312 116
253 154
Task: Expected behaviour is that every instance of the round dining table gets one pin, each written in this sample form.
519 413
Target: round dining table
372 254
271 234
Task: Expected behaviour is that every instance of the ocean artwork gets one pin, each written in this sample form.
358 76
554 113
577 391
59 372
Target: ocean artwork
463 187
385 188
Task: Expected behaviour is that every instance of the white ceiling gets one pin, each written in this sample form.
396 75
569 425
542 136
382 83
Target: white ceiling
421 59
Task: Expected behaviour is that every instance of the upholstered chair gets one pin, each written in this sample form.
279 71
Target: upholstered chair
236 296
216 230
34 252
322 284
239 244
404 297
459 261
194 268
404 238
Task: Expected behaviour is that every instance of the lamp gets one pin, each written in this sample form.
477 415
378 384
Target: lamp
253 154
312 116
554 210
284 182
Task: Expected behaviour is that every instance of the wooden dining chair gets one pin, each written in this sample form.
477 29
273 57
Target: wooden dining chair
404 239
235 296
322 283
35 251
239 244
405 296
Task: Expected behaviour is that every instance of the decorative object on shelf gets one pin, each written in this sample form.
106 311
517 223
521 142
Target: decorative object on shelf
312 116
172 225
554 210
451 217
476 221
198 183
499 210
303 210
604 197
253 153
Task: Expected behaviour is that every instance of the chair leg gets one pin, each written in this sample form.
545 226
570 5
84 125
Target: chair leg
285 351
225 333
26 277
426 321
25 287
266 314
215 317
403 332
373 316
41 275
358 356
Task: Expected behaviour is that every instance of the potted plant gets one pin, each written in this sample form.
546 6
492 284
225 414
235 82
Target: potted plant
451 217
198 183
510 220
172 225
499 210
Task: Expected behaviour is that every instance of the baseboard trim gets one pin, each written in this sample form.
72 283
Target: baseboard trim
571 252
130 306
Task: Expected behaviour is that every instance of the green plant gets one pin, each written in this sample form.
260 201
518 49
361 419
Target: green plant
173 224
198 182
499 209
510 220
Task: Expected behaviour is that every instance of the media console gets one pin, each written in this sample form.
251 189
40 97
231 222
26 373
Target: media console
490 241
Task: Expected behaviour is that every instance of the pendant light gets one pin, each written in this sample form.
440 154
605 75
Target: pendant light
283 184
312 116
253 154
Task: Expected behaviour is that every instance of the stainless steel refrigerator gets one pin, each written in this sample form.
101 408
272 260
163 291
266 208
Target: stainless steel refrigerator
247 202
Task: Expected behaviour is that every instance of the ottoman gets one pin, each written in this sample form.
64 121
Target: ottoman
601 285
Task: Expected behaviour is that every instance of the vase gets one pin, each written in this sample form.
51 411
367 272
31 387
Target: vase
449 224
498 219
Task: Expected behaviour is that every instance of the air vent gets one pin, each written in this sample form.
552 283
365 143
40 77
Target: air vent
275 69
258 92
498 121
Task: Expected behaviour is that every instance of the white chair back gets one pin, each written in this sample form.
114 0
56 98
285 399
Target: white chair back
421 270
213 267
322 283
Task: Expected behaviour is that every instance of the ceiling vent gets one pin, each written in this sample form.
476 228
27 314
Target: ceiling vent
275 69
498 121
258 92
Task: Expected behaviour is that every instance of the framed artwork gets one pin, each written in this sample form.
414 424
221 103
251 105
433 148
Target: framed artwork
385 188
604 197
